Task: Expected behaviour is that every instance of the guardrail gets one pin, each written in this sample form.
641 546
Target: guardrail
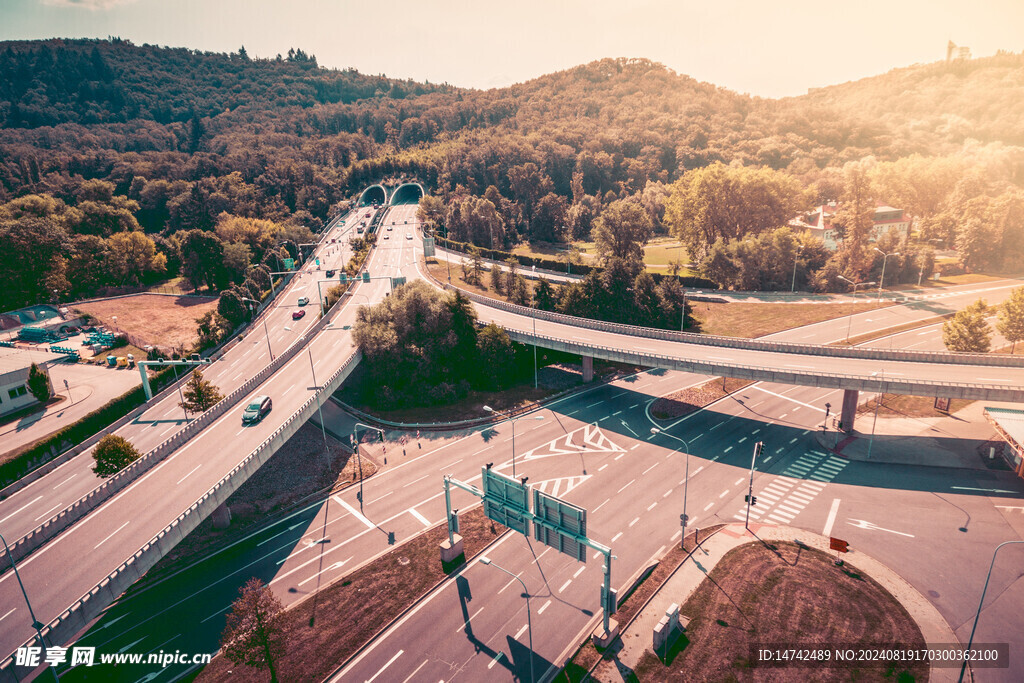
83 506
810 378
984 359
91 605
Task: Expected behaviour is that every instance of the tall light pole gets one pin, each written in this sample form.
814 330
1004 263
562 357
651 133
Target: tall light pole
513 421
35 622
758 447
970 641
526 594
796 259
359 460
686 481
855 286
881 281
257 303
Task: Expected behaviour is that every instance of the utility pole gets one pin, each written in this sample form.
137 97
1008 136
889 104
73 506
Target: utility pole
758 447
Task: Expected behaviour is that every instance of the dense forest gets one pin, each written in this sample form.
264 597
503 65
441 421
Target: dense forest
172 162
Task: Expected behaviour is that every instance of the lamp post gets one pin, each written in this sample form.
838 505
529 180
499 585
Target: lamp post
686 480
513 421
257 303
35 622
970 641
855 286
359 460
881 281
526 594
796 259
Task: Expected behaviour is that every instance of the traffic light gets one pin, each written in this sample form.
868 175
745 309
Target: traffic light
391 538
359 496
750 499
380 436
453 522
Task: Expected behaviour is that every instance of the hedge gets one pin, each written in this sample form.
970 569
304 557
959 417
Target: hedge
693 281
77 432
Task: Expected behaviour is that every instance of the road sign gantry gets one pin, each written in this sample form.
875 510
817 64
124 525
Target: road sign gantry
556 523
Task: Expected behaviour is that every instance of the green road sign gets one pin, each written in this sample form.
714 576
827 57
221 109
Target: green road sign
289 264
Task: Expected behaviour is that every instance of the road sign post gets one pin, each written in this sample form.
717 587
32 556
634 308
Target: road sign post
758 447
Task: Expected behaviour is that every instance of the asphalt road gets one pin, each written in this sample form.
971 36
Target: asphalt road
55 575
631 485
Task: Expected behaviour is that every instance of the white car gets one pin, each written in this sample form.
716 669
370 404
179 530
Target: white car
408 235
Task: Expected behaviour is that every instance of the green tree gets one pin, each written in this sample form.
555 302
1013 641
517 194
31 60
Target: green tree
1010 322
496 358
622 230
112 454
39 384
254 634
968 331
497 279
544 296
200 394
133 256
210 329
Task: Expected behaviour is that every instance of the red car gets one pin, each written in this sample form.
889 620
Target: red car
298 314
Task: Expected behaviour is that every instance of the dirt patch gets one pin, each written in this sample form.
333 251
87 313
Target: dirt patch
749 320
896 405
784 593
688 400
165 321
351 612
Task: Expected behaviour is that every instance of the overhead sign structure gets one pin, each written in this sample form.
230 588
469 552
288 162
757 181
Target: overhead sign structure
506 500
289 264
568 521
428 247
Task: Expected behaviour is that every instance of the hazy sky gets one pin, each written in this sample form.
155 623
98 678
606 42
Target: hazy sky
771 48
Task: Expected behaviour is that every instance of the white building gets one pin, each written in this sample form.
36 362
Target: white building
14 393
818 222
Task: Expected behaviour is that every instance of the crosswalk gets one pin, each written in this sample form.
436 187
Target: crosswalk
783 498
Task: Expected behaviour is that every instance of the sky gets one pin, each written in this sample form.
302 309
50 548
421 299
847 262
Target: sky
769 48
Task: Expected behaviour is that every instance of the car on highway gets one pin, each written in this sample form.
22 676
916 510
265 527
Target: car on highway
303 300
391 226
408 235
387 236
330 273
257 409
296 315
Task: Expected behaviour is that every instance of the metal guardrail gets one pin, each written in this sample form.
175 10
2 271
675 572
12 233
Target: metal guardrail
97 599
983 359
813 378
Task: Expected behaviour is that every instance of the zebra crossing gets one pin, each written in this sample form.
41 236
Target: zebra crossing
793 490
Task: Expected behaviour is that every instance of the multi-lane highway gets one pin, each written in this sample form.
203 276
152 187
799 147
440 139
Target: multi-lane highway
632 486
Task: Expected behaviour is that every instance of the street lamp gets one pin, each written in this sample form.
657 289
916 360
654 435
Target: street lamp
257 303
513 421
878 401
359 459
881 281
855 286
796 259
686 481
970 641
35 622
526 594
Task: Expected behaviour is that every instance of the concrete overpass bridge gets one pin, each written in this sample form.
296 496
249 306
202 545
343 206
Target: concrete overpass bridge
988 377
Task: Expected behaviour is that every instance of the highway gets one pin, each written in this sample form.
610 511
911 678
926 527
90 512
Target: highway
55 576
631 485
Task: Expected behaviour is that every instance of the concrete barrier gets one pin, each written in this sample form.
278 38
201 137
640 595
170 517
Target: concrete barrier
91 605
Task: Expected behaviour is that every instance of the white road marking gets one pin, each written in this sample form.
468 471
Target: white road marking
190 473
336 565
727 449
863 524
651 506
390 662
602 467
111 535
494 661
667 493
543 607
47 512
520 632
578 572
34 500
616 537
65 481
601 505
355 513
626 486
742 440
679 533
636 447
471 618
724 493
708 506
416 671
631 524
415 513
565 585
738 481
649 469
451 464
8 614
415 481
831 519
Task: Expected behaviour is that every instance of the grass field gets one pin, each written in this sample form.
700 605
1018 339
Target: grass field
748 320
165 321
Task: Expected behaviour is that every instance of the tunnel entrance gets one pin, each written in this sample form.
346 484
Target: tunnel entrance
410 193
375 194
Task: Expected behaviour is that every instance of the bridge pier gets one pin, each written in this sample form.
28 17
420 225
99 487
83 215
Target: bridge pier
588 369
222 516
850 399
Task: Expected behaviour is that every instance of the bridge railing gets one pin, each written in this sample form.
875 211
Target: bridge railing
831 380
985 359
91 605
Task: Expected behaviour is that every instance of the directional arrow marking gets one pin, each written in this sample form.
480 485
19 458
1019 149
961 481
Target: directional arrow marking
863 524
593 441
561 486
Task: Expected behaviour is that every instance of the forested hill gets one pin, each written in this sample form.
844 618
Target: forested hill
46 83
977 98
